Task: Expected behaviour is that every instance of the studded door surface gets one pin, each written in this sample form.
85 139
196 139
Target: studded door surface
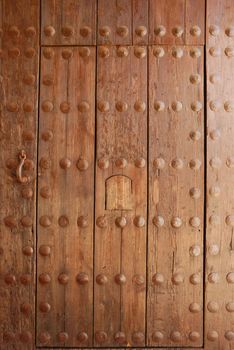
116 215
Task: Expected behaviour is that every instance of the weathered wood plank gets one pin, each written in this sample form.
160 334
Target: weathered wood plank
19 23
176 182
66 196
140 22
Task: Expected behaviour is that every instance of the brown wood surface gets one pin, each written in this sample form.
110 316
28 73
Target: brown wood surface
176 173
66 196
219 332
19 34
120 240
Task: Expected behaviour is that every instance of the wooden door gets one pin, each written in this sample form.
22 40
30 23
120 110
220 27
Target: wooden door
116 215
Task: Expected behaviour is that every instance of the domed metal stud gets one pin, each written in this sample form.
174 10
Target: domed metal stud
14 52
139 221
140 52
121 221
101 279
215 191
103 106
194 336
63 221
230 162
26 221
10 221
176 336
27 250
103 163
196 106
101 221
65 107
44 278
45 221
230 220
82 337
195 278
44 337
157 336
229 335
62 337
177 278
121 163
195 164
82 221
47 106
83 106
195 192
103 52
65 163
230 31
158 279
48 53
44 250
158 221
26 278
140 163
215 162
10 279
122 31
213 277
84 52
8 336
213 249
140 106
30 32
82 164
138 337
105 31
195 250
230 277
215 51
141 31
158 52
67 31
195 52
139 280
29 79
229 51
101 337
214 219
214 30
25 337
120 279
14 32
177 106
12 106
177 31
212 335
47 135
213 306
122 51
229 106
45 192
49 31
195 79
121 106
63 278
177 163
120 338
26 309
195 221
194 308
82 278
160 31
159 106
159 163
230 306
177 52
215 134
85 31
28 135
44 307
195 31
30 52
176 222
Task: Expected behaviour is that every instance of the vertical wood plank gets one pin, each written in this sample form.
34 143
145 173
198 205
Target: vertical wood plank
66 195
176 170
68 22
219 332
120 237
19 34
115 22
195 22
140 22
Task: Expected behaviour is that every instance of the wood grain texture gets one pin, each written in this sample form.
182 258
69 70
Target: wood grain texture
140 20
219 332
66 196
176 180
120 236
68 22
176 23
19 23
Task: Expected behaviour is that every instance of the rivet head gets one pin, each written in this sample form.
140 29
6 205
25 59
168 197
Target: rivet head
177 106
66 54
82 164
47 135
62 337
10 222
14 31
100 337
195 31
26 279
82 278
215 191
177 52
28 250
195 79
214 30
214 78
213 249
140 163
14 53
215 51
44 307
194 308
195 52
29 79
140 52
215 162
47 106
104 31
138 280
195 221
229 106
65 107
177 31
63 221
101 279
103 163
30 32
139 106
44 338
215 134
157 336
67 31
103 106
195 164
122 31
101 221
120 278
230 306
138 337
196 106
177 163
121 106
120 337
230 277
26 309
158 279
159 163
195 250
82 337
45 192
85 31
230 220
45 221
65 163
229 51
213 306
176 336
48 53
139 221
44 278
195 192
177 278
212 335
229 335
195 278
30 52
121 221
214 219
158 52
230 162
12 106
84 52
44 250
49 31
158 221
159 106
176 222
122 51
26 337
141 31
121 163
63 278
10 278
229 31
28 135
194 336
160 31
103 52
83 106
82 221
213 277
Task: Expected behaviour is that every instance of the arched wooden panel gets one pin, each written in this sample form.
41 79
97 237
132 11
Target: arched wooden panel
119 195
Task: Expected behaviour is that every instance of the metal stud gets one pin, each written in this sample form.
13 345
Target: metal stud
29 79
104 31
195 221
63 278
177 278
195 278
138 337
101 279
28 135
120 338
47 106
177 106
194 336
48 53
157 336
230 162
122 51
121 163
44 250
229 335
213 249
195 52
14 32
44 337
215 51
82 278
26 309
103 52
122 31
177 163
194 308
176 336
230 220
10 279
195 250
215 162
195 79
177 52
101 337
229 106
214 30
140 52
101 221
159 106
82 337
25 337
139 221
27 250
10 221
103 163
214 191
215 78
212 335
120 279
195 31
196 106
45 221
63 221
141 31
230 306
160 31
83 106
177 31
159 163
67 31
140 163
158 221
176 222
214 219
82 221
62 337
65 163
65 107
229 51
47 135
213 277
49 31
195 164
138 280
26 279
82 164
85 31
158 52
215 134
158 279
121 106
103 106
230 31
44 278
121 221
44 307
14 53
45 192
30 32
213 306
195 192
140 106
84 52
